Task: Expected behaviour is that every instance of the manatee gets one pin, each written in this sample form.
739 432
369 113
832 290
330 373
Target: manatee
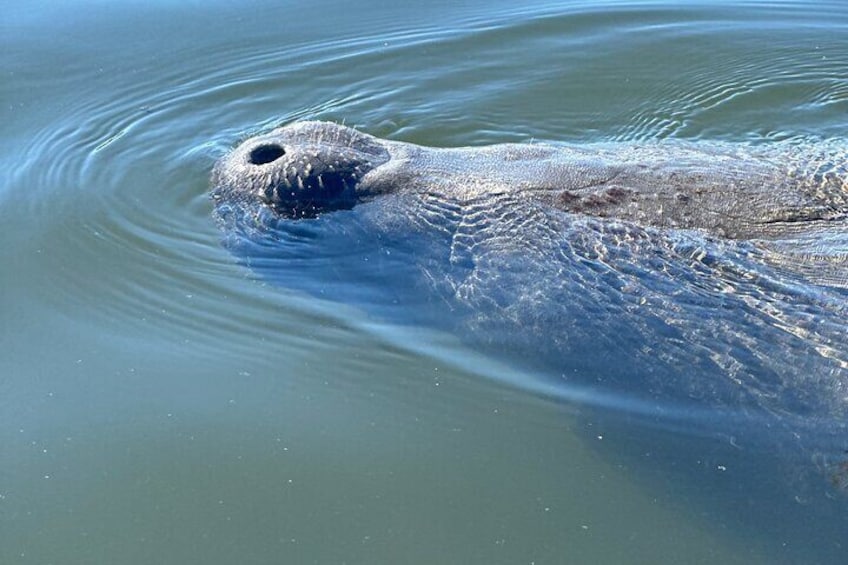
697 289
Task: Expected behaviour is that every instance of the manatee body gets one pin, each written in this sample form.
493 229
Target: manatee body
699 286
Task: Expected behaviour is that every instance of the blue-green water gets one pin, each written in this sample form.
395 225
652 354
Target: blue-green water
161 404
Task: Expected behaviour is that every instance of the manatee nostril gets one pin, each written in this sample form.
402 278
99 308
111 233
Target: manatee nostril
266 153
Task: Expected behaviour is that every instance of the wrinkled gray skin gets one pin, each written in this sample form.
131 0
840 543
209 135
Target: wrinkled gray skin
735 192
698 289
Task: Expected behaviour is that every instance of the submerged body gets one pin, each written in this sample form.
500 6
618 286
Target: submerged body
517 239
520 237
696 286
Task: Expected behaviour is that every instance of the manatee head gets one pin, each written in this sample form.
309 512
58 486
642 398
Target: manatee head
301 169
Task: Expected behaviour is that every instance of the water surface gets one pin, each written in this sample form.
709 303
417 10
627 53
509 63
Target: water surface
159 402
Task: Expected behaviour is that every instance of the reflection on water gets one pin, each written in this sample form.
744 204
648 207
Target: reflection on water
163 403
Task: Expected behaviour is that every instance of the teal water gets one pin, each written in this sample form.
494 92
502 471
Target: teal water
161 404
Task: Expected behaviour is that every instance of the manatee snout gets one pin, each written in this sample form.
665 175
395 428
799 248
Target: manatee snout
300 171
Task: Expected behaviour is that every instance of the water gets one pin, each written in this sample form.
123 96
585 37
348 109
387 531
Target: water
160 403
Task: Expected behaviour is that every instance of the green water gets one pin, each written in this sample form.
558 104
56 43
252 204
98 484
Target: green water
159 404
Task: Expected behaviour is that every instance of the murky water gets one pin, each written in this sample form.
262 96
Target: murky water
160 403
